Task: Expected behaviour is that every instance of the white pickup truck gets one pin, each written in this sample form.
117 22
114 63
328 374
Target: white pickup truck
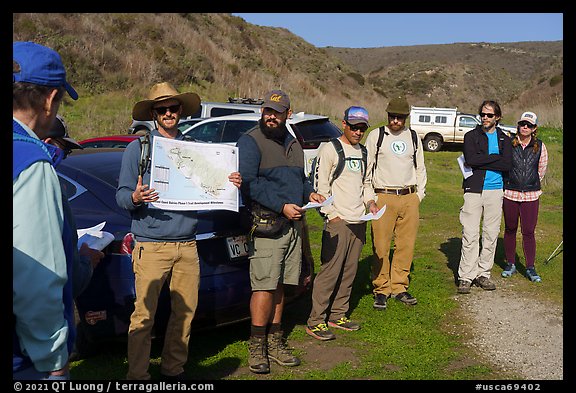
437 126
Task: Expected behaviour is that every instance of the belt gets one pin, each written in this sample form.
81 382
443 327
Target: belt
396 191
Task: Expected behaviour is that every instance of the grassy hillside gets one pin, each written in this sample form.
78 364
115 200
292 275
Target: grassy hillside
113 59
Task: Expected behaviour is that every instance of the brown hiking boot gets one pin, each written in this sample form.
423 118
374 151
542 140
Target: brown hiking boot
464 286
279 351
485 283
258 359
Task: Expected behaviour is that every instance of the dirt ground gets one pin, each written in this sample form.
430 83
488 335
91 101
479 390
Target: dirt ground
517 335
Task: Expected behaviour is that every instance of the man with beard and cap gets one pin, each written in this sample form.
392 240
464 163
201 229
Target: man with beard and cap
165 247
272 165
398 177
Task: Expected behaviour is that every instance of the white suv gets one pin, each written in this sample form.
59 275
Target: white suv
310 130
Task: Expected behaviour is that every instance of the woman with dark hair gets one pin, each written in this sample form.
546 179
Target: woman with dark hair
522 190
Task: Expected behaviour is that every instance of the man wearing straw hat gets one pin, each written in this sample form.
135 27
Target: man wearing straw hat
165 245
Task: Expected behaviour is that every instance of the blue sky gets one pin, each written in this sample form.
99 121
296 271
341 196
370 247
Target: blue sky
356 30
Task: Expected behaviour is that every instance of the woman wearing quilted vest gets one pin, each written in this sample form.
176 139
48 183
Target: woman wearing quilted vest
522 190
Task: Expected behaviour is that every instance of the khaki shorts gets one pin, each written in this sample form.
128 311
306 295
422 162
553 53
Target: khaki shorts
274 261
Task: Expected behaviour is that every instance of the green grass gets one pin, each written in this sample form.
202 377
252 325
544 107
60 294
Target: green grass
424 342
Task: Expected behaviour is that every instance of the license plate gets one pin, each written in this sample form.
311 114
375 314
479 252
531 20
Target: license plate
237 246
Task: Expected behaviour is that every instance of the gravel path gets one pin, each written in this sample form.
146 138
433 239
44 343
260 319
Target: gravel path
516 333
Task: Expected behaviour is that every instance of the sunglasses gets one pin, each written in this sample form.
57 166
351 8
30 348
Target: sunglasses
393 116
163 109
488 115
357 127
526 124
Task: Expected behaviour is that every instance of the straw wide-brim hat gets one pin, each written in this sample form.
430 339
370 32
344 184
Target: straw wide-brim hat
163 91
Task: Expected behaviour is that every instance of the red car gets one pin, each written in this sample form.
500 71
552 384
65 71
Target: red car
109 141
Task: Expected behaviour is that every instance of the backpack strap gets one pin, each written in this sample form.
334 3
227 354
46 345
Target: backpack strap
341 158
381 133
144 161
415 143
364 160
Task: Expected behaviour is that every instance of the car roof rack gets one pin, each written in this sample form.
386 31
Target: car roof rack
244 100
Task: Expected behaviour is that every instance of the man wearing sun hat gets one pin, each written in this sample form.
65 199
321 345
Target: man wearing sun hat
43 252
159 235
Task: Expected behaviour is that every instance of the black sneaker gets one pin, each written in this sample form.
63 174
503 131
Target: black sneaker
406 298
320 332
380 301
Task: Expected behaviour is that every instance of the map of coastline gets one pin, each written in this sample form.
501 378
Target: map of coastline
193 175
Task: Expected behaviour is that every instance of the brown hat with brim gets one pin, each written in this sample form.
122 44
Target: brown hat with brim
163 91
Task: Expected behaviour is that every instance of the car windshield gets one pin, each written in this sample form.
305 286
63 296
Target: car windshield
313 131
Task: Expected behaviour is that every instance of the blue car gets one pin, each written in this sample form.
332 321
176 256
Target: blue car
89 179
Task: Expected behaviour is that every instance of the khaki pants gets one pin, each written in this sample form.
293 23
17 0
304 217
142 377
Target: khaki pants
485 207
153 264
400 219
341 248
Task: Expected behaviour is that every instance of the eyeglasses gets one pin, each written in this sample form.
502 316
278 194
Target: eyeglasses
393 116
526 124
357 127
163 109
488 115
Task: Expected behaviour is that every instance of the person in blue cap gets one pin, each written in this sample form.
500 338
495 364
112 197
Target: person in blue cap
42 249
344 232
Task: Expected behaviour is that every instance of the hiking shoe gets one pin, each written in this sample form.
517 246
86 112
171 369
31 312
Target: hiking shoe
464 286
485 283
320 332
532 275
258 359
510 270
344 324
406 298
179 377
380 301
279 351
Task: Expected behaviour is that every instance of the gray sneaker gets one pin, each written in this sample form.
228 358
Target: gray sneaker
320 332
344 324
485 283
257 356
464 286
279 351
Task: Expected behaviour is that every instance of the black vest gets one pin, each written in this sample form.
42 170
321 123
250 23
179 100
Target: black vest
524 173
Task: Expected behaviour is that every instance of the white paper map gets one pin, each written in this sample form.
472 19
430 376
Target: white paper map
95 237
193 175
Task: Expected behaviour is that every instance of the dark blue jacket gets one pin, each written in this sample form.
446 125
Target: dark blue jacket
476 156
272 172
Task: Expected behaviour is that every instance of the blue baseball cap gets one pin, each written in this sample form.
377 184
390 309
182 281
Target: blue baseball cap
41 66
355 115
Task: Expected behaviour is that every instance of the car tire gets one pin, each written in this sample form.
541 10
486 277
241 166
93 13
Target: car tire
432 143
